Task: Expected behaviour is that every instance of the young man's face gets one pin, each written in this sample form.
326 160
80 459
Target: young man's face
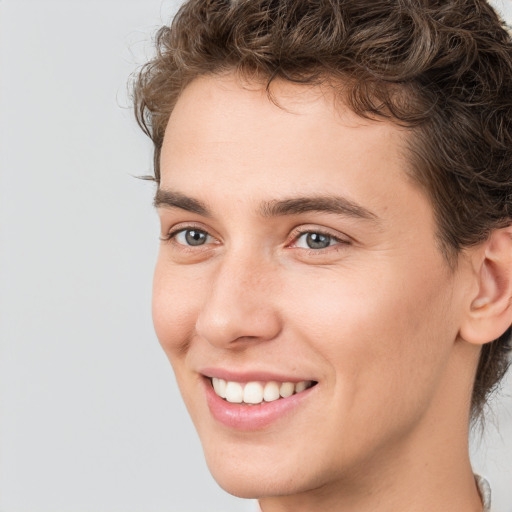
303 253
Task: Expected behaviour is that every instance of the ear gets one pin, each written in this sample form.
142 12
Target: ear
489 313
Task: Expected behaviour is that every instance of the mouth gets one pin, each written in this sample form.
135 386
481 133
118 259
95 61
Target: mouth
255 402
257 392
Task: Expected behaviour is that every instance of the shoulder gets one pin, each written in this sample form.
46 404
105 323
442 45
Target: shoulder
485 492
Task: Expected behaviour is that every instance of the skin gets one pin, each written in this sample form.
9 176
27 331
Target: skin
374 318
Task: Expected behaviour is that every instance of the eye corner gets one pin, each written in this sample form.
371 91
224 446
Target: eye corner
165 238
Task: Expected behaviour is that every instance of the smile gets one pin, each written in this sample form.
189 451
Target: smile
253 393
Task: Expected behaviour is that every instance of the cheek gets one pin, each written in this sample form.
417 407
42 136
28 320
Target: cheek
176 298
379 331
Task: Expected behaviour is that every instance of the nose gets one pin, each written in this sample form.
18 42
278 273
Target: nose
240 304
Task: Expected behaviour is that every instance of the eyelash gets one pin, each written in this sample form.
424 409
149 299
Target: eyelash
296 235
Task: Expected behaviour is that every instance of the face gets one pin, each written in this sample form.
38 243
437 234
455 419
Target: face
297 260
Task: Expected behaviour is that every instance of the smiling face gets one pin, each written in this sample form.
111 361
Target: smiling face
297 250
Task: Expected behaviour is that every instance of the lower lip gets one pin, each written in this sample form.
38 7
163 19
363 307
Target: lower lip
251 417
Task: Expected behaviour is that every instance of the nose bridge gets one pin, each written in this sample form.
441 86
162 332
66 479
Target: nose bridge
239 303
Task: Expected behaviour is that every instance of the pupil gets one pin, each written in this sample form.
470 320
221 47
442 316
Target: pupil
317 241
194 237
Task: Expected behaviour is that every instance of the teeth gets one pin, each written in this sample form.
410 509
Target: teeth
271 391
234 392
253 393
300 386
219 385
257 392
287 389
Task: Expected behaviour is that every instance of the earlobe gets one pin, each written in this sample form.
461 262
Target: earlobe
490 311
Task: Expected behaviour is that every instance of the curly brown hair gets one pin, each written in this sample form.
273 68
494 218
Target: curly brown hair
442 68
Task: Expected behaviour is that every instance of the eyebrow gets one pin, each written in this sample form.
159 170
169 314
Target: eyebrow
173 199
322 204
274 208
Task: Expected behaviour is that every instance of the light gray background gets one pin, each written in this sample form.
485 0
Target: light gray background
90 417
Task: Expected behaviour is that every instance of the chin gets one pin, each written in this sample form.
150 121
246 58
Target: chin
243 483
256 476
242 486
240 474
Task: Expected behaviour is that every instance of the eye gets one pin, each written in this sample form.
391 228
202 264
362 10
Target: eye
191 237
315 240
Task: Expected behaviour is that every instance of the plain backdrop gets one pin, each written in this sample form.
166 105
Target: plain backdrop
90 417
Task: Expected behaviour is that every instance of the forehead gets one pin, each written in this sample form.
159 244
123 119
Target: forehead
218 115
251 109
227 141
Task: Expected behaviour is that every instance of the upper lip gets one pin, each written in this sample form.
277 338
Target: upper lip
250 376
